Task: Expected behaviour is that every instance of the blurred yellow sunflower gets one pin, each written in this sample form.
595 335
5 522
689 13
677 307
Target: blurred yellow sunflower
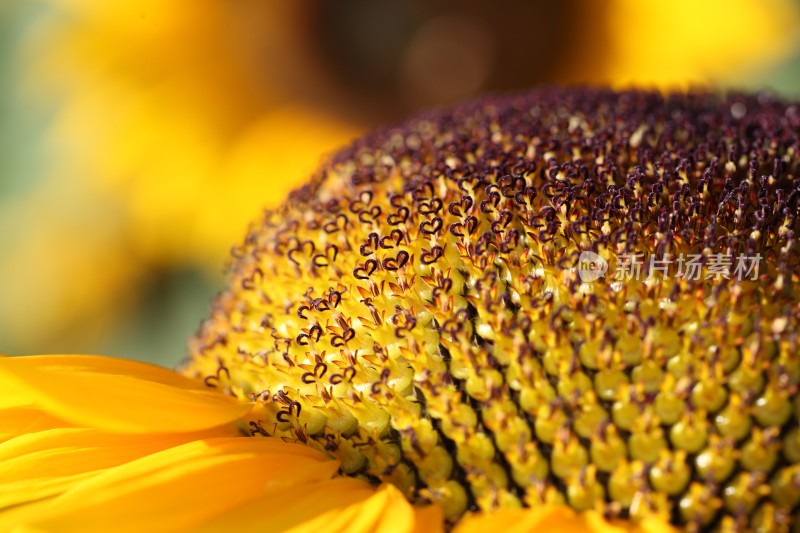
683 43
165 114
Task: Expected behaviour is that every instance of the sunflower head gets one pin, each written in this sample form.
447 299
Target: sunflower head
566 296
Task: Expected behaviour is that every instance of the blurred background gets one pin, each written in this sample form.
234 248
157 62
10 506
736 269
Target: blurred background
138 138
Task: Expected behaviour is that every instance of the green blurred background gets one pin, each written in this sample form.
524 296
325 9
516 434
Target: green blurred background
138 138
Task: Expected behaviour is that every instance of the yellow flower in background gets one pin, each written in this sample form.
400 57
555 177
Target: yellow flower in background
176 108
165 114
686 43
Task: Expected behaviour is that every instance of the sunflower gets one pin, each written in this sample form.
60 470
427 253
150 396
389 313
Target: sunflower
448 328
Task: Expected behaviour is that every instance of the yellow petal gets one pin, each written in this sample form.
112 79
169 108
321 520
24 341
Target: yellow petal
14 394
429 519
395 511
15 495
553 519
46 463
115 394
342 505
16 421
177 489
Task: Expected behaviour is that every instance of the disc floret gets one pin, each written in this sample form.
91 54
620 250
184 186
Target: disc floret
419 309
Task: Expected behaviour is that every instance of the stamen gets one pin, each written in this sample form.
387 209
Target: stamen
573 296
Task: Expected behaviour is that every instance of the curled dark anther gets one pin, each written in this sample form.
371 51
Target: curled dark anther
249 282
431 227
347 375
397 262
370 215
431 207
431 256
463 206
393 239
370 246
334 298
284 414
339 223
301 247
361 203
337 341
257 429
501 222
365 271
444 287
399 217
424 192
320 304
